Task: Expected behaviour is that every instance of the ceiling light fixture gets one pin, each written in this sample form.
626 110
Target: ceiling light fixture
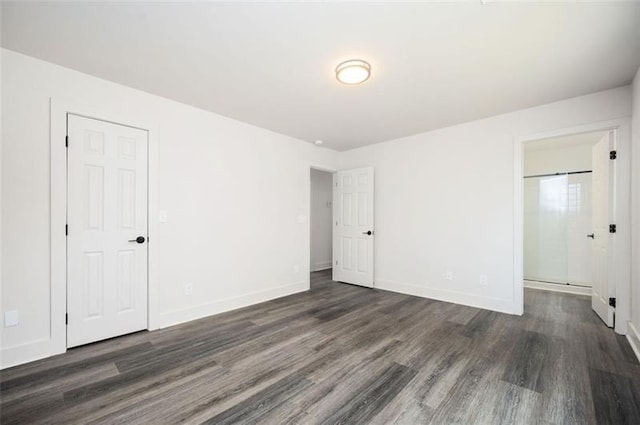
353 71
317 142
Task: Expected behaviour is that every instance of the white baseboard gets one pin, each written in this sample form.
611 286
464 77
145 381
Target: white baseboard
40 349
488 303
321 265
221 306
25 353
633 336
567 289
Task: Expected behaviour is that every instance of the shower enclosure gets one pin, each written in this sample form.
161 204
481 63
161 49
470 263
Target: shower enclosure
557 222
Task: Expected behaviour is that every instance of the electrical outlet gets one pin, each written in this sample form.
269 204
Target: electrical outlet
296 268
188 288
483 280
449 275
11 318
163 216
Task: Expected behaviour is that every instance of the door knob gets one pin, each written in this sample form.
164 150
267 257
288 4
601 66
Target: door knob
592 236
139 239
367 233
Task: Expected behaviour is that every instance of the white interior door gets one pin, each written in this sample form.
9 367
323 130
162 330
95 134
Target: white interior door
107 230
601 185
353 232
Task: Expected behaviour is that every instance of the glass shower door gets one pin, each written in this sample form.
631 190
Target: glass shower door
545 229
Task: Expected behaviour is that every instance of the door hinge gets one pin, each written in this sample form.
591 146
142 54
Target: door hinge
66 230
612 302
66 318
613 154
66 141
612 228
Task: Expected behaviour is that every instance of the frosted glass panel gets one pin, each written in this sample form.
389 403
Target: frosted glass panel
557 219
578 226
545 229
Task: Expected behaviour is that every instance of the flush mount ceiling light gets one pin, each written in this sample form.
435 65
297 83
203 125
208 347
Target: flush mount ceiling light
353 71
317 142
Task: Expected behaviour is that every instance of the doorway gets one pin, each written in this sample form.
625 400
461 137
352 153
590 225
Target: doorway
321 213
107 230
343 251
568 205
320 218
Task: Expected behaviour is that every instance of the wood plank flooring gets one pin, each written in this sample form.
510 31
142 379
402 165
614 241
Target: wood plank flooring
341 354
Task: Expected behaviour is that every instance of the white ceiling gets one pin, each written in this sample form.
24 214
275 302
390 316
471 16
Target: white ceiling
272 64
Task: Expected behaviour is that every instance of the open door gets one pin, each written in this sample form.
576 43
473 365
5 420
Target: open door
353 230
601 248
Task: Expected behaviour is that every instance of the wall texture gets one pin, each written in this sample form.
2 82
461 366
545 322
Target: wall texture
445 200
215 174
321 213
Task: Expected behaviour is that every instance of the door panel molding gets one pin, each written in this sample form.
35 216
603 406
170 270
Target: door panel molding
353 226
107 211
59 109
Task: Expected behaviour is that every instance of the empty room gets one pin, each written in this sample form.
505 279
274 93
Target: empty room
320 212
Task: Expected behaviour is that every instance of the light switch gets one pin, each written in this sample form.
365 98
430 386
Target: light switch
11 318
162 216
301 219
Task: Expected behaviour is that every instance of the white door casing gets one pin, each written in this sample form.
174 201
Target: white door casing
601 246
107 193
353 226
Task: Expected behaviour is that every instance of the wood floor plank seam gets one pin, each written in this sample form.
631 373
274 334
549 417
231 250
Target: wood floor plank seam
344 354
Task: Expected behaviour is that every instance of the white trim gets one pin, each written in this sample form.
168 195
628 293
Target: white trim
557 287
220 306
323 167
501 305
633 336
24 353
58 197
622 242
321 265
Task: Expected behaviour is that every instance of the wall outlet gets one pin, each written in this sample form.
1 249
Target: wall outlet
188 288
296 268
483 280
11 318
449 275
302 219
163 216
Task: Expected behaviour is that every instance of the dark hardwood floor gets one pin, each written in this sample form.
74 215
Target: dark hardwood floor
344 354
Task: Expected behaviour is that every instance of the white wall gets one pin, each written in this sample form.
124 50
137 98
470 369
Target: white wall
635 223
445 200
215 175
560 160
321 212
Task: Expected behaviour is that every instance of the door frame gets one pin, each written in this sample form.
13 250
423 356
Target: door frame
328 169
621 246
58 212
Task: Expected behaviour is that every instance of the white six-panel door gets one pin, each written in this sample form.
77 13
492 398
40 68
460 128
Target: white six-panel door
353 233
106 212
601 198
